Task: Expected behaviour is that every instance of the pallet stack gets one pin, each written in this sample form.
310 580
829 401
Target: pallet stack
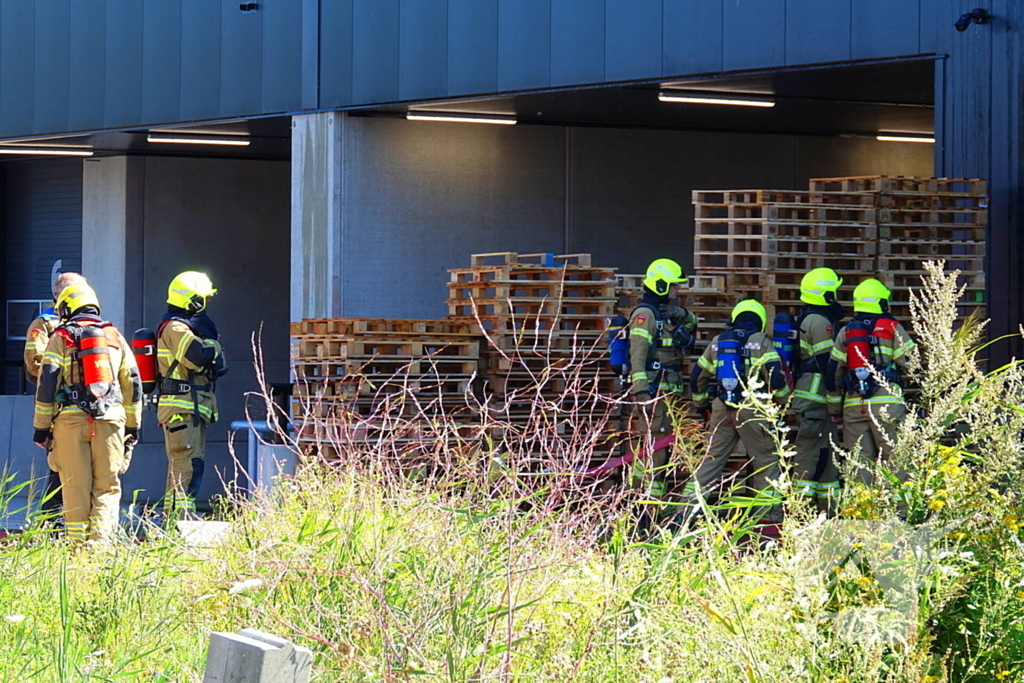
921 219
356 378
540 312
763 241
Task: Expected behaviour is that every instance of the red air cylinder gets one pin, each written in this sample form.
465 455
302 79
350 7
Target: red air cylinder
858 356
144 348
95 357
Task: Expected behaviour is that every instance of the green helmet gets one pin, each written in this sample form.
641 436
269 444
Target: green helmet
816 286
751 306
662 274
871 296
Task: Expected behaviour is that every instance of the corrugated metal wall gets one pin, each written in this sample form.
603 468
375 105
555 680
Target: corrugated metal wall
72 65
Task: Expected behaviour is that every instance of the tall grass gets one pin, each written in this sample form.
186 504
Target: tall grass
461 574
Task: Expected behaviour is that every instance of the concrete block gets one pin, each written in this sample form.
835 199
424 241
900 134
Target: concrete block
252 656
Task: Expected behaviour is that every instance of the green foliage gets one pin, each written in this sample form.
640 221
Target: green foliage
402 581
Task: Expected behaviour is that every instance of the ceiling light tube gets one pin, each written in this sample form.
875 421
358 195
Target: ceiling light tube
46 151
904 138
709 98
173 139
456 117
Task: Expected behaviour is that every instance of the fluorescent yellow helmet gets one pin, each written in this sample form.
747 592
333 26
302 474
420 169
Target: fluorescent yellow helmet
662 274
190 290
751 306
75 296
816 286
871 296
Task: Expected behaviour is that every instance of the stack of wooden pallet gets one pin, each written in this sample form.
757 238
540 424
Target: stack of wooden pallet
544 317
356 378
920 219
763 241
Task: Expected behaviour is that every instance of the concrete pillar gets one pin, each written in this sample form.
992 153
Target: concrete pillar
318 221
252 656
112 236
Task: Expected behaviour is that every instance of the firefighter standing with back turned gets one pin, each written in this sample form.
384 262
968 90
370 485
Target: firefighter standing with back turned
37 337
871 413
87 408
190 360
660 334
814 473
741 352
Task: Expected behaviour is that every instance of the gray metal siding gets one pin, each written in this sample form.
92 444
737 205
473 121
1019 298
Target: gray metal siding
472 46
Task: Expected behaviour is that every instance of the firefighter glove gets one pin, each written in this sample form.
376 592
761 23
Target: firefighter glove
838 419
42 437
131 435
705 414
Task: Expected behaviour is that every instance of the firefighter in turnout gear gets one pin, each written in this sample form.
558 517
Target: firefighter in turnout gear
37 337
814 473
741 352
660 335
189 360
872 345
87 410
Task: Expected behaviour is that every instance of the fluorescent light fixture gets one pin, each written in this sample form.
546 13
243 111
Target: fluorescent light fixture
46 150
189 139
455 117
714 98
894 137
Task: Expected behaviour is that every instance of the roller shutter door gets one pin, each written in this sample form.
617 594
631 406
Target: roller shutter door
42 235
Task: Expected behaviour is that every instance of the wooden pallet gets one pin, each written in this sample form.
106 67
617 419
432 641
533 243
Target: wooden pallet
718 262
381 326
569 309
363 348
881 183
796 230
534 274
749 196
789 213
931 200
897 280
968 265
945 249
775 244
964 218
556 290
543 324
546 260
332 369
931 232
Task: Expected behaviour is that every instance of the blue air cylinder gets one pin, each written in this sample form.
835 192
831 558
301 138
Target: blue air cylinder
730 368
618 344
784 338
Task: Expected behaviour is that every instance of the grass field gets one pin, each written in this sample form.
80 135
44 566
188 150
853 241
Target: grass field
467 579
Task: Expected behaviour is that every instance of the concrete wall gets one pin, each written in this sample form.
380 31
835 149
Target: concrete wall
229 219
20 458
420 197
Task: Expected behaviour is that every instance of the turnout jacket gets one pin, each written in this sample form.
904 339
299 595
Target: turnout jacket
643 328
37 336
60 370
191 358
817 334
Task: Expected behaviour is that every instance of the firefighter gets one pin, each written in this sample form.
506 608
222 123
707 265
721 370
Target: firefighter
741 352
189 360
872 345
37 336
814 473
87 413
660 334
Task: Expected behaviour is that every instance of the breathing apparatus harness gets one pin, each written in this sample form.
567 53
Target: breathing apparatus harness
863 336
94 391
203 327
618 342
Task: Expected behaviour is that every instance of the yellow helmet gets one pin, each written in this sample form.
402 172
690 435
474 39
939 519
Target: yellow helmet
816 286
871 296
751 306
190 290
662 274
75 296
